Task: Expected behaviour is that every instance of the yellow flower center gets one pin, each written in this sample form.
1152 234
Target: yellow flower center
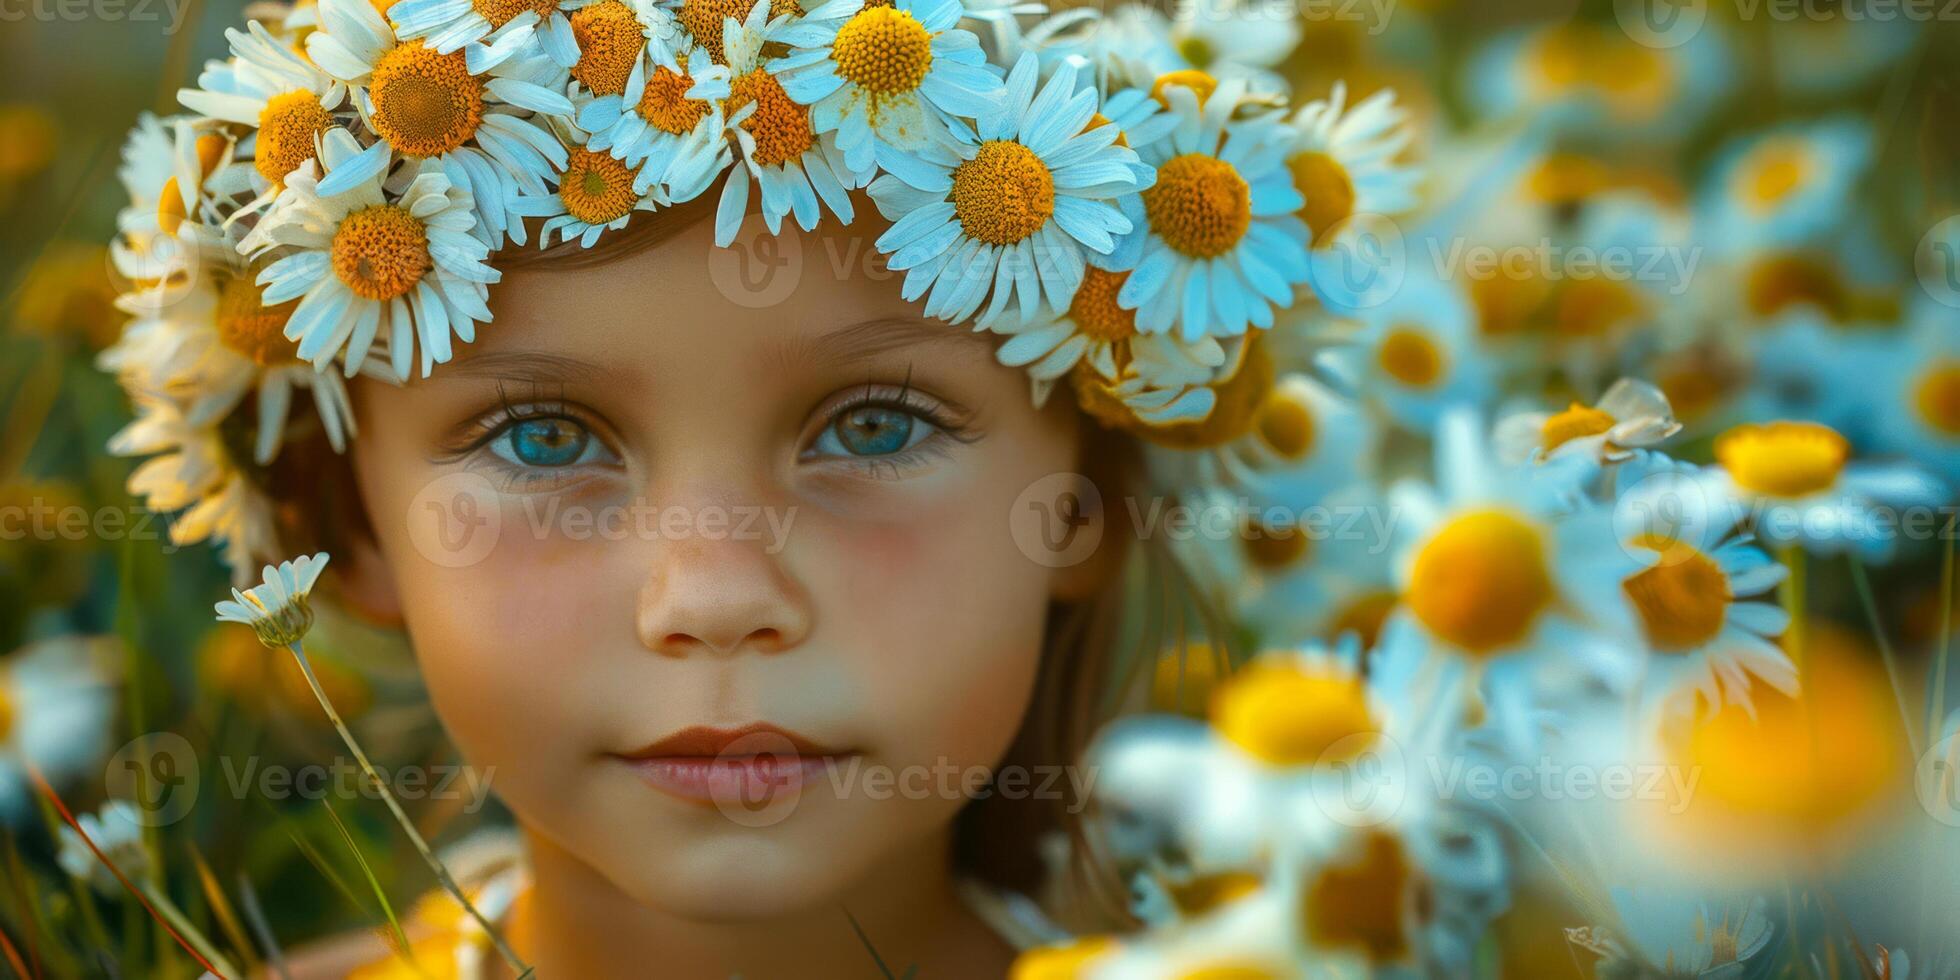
211 149
1273 548
7 711
1230 970
1776 171
1198 82
1576 422
702 19
1683 599
425 104
1797 773
1286 425
381 252
665 106
501 12
1207 892
1481 582
252 329
1329 191
287 128
596 188
1200 205
1594 307
1098 121
1288 714
1066 962
1937 397
609 42
1695 386
1567 178
1783 459
781 127
1779 282
1004 194
1410 357
170 207
883 50
1094 308
1368 905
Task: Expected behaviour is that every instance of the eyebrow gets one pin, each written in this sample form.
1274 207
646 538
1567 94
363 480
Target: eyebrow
857 342
528 366
870 338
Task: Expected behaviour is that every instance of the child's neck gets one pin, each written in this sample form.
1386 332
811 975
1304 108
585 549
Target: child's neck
576 923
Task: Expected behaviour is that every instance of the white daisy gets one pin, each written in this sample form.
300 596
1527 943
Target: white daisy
1222 245
270 87
1702 599
192 471
499 28
1343 160
57 702
172 222
1632 415
367 264
424 105
219 342
1416 355
1007 211
668 98
799 167
1788 186
596 192
277 609
1509 570
118 833
1094 331
1797 481
887 78
1234 39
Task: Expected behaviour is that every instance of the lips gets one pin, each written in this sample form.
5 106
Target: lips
750 767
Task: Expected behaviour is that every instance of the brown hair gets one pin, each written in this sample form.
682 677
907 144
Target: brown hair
1091 666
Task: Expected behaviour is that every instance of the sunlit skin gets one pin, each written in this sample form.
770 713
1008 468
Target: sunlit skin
895 618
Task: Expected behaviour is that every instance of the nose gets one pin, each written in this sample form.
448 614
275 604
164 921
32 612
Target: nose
705 597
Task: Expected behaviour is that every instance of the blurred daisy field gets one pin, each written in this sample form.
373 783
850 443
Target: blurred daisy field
1633 328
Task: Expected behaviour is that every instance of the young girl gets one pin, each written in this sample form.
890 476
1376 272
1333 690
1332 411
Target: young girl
773 606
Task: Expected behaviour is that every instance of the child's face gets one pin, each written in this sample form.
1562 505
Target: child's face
797 516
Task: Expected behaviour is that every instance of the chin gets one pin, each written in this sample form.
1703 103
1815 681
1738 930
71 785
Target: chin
744 875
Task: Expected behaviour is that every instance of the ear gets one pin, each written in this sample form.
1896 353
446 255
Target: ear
367 582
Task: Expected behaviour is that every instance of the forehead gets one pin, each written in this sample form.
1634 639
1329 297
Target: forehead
766 296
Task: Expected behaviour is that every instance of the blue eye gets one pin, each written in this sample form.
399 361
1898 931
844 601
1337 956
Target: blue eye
548 442
872 430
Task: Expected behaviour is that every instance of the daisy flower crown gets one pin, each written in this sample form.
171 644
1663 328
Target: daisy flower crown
334 198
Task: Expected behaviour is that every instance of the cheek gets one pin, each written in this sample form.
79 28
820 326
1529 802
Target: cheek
492 634
944 619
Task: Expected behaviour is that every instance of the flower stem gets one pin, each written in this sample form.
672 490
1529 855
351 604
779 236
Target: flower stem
1907 717
169 911
408 827
1943 653
1794 588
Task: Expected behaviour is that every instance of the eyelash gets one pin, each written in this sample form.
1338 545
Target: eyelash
947 423
484 431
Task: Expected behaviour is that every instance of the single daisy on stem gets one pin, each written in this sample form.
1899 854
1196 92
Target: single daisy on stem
279 611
